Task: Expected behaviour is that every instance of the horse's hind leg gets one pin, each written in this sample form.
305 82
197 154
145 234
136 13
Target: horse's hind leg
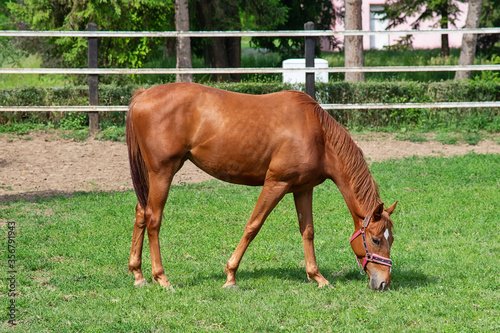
159 185
134 264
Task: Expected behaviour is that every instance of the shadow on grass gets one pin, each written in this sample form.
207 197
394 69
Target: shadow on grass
40 196
410 279
401 280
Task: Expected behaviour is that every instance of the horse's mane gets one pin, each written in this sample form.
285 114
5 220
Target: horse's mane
350 155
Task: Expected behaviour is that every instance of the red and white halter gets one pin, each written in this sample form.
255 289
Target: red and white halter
369 257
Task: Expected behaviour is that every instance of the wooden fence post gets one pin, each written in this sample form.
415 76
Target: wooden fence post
93 79
309 55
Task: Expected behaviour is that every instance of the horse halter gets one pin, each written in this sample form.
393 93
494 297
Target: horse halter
369 257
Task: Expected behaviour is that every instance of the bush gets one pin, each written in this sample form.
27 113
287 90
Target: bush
73 121
414 92
112 133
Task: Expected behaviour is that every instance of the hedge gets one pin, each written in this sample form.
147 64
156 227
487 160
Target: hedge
333 92
415 92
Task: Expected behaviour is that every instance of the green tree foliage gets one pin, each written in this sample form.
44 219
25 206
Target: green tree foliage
4 15
293 15
158 15
135 15
237 14
416 12
213 15
8 53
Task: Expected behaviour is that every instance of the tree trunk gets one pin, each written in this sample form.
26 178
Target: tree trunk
224 52
221 52
169 48
445 45
233 47
469 41
217 52
183 43
353 45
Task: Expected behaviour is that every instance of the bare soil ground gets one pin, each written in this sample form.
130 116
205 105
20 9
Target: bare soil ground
43 164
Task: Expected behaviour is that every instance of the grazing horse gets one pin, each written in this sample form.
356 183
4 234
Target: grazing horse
284 142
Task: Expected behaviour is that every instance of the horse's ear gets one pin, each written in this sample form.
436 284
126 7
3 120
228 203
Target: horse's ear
390 210
377 212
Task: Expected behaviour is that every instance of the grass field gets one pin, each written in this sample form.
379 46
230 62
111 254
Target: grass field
72 253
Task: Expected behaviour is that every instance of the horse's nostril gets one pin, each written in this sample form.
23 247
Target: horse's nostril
383 285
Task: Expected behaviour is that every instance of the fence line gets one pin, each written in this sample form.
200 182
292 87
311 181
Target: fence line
91 34
439 105
249 70
279 33
372 106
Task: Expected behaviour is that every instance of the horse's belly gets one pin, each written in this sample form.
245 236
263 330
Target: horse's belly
231 168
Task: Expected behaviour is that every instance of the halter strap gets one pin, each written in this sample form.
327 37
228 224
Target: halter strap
366 221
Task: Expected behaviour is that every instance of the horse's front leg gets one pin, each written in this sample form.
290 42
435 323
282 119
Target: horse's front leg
135 261
272 193
303 204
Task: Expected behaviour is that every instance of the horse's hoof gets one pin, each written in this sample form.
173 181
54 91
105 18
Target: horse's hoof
326 286
141 283
167 286
231 286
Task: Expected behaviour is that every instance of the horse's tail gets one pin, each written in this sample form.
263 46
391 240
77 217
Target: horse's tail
138 170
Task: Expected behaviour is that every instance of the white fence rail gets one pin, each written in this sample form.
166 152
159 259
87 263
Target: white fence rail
251 70
372 106
280 33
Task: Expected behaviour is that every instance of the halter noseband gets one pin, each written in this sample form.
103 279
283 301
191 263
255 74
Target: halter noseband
375 258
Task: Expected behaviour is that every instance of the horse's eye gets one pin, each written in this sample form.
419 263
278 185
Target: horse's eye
376 241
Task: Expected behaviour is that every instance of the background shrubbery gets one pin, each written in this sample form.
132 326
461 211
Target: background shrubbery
333 92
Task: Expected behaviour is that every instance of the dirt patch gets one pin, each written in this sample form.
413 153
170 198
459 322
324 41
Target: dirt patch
42 164
379 147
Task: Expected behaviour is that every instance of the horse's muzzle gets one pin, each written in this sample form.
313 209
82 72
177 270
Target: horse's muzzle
379 284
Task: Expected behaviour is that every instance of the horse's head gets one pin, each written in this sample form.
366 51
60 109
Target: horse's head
372 244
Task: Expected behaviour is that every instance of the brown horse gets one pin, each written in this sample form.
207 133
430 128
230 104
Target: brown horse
283 141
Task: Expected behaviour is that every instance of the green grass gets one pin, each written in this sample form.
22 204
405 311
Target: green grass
22 128
72 255
444 137
21 80
447 138
411 136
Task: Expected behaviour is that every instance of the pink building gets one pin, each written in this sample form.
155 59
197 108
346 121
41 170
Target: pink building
372 21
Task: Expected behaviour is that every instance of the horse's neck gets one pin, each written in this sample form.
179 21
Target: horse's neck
351 175
356 207
346 166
